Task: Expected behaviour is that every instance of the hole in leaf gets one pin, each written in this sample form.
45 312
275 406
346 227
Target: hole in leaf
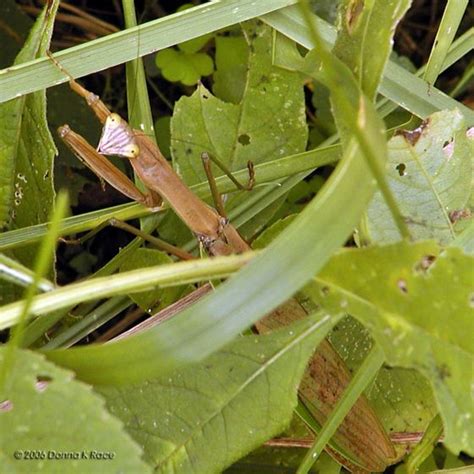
443 371
325 290
401 167
6 406
459 214
402 285
42 382
424 263
244 139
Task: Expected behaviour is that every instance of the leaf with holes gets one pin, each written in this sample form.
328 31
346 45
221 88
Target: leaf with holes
206 416
268 123
430 174
418 304
83 438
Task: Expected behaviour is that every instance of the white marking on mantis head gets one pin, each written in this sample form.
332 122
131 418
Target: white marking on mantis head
117 138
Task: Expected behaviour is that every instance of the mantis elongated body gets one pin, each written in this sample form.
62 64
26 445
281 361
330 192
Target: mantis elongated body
326 378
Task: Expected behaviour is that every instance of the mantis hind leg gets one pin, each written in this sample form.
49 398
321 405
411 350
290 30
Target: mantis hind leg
155 241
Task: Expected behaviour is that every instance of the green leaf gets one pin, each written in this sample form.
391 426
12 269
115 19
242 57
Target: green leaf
268 123
157 297
206 416
401 398
232 54
187 68
47 413
26 146
430 173
418 311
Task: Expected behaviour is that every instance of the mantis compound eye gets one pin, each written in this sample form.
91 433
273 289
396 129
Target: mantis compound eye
131 151
113 120
117 138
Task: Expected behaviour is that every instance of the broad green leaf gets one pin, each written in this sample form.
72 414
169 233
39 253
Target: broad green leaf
26 146
163 135
430 174
232 54
364 39
157 297
420 312
268 123
45 411
206 416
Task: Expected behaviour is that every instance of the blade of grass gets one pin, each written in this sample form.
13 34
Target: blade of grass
15 272
43 262
121 47
136 280
328 71
425 447
447 29
360 381
99 316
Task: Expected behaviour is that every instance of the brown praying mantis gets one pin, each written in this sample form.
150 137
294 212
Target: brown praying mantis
361 433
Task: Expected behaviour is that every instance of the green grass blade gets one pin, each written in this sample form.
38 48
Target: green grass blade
447 29
126 45
136 280
99 316
139 110
15 272
425 447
